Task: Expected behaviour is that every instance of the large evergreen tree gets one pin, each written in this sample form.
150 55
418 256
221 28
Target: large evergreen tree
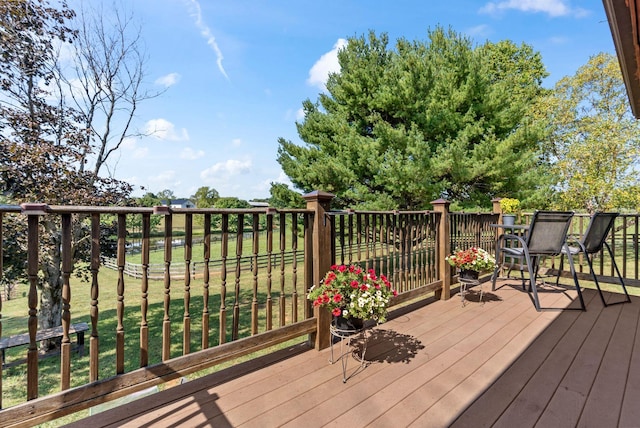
399 128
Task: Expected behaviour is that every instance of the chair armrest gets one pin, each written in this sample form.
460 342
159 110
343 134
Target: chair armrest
510 237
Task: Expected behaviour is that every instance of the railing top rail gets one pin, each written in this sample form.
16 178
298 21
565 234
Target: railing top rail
10 208
80 209
472 213
393 212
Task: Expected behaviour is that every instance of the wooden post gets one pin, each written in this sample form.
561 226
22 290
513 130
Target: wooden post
443 248
320 203
497 208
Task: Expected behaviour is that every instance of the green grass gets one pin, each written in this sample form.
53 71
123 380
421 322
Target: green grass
15 318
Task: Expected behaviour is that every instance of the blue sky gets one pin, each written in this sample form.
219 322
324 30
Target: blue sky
236 73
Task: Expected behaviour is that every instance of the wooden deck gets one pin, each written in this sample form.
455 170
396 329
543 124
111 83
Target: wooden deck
499 363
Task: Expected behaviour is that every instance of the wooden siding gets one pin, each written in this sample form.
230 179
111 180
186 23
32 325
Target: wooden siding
499 363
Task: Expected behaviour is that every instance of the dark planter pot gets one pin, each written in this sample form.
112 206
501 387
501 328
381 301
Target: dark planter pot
469 274
508 219
347 324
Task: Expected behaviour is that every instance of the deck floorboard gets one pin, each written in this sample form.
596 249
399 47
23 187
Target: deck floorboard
497 363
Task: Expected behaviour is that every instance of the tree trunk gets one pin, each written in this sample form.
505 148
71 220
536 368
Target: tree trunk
50 313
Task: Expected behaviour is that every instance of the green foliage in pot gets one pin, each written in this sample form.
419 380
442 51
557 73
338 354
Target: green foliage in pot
509 205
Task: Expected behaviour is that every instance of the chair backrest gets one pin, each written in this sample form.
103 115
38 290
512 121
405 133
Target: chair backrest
597 231
548 232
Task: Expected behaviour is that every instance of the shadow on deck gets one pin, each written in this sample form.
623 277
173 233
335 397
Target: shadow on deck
496 363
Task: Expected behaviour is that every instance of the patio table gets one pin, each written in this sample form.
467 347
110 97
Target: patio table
519 229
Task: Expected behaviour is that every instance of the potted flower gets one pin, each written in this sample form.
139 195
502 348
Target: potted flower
350 292
471 262
509 207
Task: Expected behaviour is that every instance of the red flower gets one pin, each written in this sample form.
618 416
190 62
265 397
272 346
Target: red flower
336 312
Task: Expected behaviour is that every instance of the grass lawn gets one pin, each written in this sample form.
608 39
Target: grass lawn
15 317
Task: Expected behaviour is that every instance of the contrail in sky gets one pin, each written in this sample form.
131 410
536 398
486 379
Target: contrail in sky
205 31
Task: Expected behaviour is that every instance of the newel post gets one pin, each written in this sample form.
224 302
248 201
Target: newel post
443 248
497 209
320 203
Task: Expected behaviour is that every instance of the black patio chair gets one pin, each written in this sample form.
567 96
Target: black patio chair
594 239
546 236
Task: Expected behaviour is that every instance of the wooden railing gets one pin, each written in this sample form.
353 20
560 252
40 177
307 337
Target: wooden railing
623 240
237 295
229 297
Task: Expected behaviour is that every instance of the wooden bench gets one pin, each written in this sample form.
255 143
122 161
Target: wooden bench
50 333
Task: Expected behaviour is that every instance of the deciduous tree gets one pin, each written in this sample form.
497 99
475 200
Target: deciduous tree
593 138
205 197
45 142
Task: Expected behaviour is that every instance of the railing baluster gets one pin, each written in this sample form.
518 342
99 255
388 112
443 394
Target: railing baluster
33 246
269 308
166 322
236 298
367 241
294 267
359 237
388 271
205 279
254 262
283 298
186 320
624 246
396 254
341 236
94 342
636 245
65 347
224 249
350 258
144 289
308 261
122 234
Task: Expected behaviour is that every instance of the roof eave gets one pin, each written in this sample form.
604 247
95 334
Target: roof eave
621 21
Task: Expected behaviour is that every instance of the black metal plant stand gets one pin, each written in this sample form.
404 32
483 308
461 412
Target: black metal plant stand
347 336
468 279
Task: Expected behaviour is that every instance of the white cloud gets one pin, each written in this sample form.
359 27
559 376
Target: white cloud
328 63
558 40
168 80
479 31
163 177
196 13
140 153
299 114
164 180
222 170
131 144
162 129
553 8
282 178
236 142
190 154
